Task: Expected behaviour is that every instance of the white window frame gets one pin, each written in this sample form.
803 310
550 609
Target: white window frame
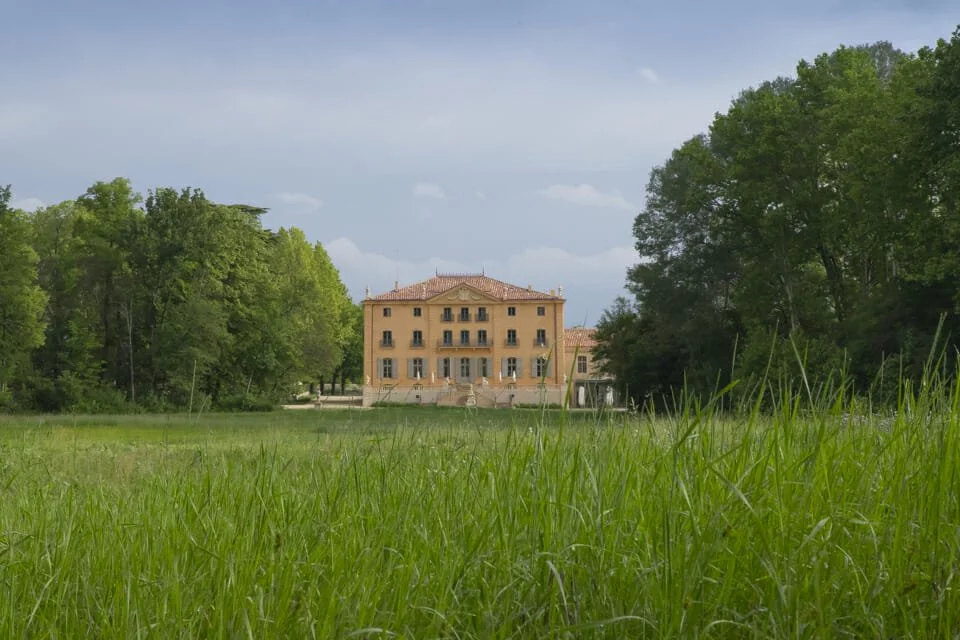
541 367
582 364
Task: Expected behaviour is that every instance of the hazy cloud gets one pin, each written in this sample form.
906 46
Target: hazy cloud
649 75
429 190
302 200
586 195
27 204
591 281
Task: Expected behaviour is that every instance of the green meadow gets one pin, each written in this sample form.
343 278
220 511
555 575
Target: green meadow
427 523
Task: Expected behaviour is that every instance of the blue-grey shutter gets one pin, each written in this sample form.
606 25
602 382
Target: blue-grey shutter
379 369
549 367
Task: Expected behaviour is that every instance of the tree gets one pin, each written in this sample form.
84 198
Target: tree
21 298
351 362
819 210
107 227
67 366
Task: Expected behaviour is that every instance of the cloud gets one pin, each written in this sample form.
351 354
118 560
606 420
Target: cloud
425 109
649 75
301 200
27 204
429 190
480 195
590 281
587 196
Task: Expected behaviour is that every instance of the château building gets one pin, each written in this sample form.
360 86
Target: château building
470 339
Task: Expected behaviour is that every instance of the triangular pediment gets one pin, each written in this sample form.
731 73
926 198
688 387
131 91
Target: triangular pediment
462 293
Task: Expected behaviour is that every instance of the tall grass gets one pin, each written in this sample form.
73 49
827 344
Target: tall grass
813 519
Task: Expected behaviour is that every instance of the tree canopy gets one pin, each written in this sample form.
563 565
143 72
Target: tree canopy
819 216
115 300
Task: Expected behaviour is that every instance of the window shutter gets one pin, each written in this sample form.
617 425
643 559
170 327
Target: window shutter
439 369
549 367
519 367
410 368
503 367
379 368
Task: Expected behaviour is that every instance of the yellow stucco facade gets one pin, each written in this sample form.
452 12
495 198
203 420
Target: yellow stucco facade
460 331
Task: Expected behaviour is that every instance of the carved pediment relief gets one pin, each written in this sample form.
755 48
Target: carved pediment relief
463 294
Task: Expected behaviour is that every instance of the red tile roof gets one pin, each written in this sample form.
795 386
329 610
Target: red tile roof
586 337
445 282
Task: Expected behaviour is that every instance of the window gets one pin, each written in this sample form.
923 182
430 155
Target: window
417 312
511 311
465 368
511 366
581 364
387 368
541 337
386 312
481 314
445 367
447 315
464 337
417 338
387 339
483 367
464 314
541 367
448 338
416 368
511 336
482 337
541 311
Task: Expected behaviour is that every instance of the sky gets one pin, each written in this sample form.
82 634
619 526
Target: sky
408 136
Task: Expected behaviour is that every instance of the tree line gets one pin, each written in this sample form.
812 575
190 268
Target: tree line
817 221
115 301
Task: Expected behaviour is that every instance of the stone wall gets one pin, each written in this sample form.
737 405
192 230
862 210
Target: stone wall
459 395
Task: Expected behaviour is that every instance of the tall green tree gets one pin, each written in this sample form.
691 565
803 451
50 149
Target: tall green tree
107 228
819 210
67 366
21 298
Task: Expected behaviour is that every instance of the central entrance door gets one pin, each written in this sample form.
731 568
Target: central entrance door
464 371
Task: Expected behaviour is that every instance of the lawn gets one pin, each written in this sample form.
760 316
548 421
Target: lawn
421 523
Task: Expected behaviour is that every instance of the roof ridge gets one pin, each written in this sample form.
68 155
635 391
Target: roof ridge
483 283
